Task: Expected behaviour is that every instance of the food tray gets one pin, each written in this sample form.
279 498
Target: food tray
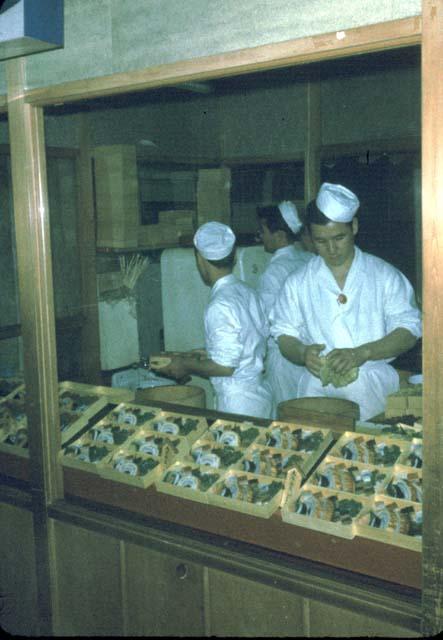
401 514
406 400
159 445
85 454
209 453
270 461
310 498
78 404
246 484
405 484
9 386
133 468
191 481
130 413
13 424
358 478
379 451
311 442
395 430
235 434
190 427
412 455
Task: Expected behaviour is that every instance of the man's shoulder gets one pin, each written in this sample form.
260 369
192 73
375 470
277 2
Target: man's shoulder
375 263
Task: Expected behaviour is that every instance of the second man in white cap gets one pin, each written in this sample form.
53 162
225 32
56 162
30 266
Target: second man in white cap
350 306
236 330
281 228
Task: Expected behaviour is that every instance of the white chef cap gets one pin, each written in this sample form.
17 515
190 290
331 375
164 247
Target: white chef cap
337 203
290 215
214 240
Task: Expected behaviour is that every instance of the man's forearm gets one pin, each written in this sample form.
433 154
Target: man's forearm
394 344
206 368
292 349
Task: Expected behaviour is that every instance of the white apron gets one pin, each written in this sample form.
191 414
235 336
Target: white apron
236 332
379 299
281 375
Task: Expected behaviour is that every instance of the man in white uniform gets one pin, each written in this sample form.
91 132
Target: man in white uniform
351 306
280 228
236 330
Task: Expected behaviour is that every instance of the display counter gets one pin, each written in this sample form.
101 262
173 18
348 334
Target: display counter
330 584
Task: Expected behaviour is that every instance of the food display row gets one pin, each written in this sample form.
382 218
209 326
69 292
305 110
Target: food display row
349 484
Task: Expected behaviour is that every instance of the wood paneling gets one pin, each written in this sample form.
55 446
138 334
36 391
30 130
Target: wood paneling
397 565
31 215
240 607
432 225
164 594
88 583
18 588
386 35
331 621
90 341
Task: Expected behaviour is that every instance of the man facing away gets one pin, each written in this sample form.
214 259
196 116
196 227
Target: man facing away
350 306
236 330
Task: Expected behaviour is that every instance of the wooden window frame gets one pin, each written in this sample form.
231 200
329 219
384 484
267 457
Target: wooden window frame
25 111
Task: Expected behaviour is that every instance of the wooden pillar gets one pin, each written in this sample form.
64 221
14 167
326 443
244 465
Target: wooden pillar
313 140
37 319
432 212
90 342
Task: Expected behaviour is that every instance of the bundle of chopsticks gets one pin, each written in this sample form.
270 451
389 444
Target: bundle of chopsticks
131 269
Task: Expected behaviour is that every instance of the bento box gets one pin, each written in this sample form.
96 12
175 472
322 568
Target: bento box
412 455
85 454
309 442
214 454
270 461
380 451
14 423
165 446
325 510
9 386
359 478
407 400
394 521
189 481
405 483
233 434
187 426
249 493
131 467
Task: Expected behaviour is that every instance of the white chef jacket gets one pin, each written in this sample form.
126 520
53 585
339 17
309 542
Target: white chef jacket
236 331
281 374
379 300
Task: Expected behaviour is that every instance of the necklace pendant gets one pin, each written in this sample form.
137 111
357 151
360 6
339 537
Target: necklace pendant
342 299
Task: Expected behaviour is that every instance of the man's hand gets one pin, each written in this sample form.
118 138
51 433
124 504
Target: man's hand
312 360
343 360
176 369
